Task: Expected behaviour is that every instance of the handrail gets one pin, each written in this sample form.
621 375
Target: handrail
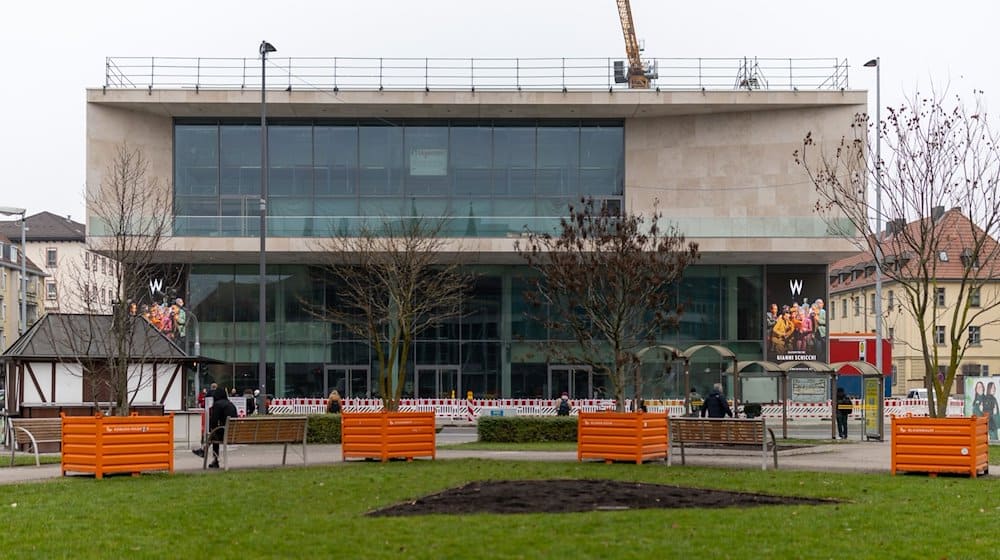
472 74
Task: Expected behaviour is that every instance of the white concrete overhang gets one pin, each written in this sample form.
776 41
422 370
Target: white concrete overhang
245 103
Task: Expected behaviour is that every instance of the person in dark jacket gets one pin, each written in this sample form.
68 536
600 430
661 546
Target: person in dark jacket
844 408
221 409
715 404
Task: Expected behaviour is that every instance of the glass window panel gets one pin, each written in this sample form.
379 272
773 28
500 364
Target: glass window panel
701 288
431 207
196 159
336 159
515 207
481 369
555 207
385 206
290 216
528 380
211 294
381 159
240 155
196 206
196 215
472 160
482 310
430 353
427 160
336 206
246 299
514 160
526 320
602 160
289 153
558 160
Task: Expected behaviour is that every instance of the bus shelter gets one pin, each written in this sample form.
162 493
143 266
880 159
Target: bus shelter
789 371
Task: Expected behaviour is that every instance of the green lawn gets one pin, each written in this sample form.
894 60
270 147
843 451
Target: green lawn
25 459
318 512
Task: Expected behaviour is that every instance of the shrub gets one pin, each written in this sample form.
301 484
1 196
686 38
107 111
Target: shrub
323 428
526 429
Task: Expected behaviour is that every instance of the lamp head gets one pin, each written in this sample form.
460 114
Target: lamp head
871 63
11 211
266 47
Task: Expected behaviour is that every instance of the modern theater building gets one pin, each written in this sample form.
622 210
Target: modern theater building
497 149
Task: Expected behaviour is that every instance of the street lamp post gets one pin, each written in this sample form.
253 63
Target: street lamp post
22 325
876 63
265 48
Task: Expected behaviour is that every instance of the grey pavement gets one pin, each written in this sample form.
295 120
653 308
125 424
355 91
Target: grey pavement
824 455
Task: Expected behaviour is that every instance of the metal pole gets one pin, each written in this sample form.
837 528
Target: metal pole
878 238
22 326
265 47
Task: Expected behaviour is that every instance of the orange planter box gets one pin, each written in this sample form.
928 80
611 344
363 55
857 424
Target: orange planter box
621 436
935 445
113 444
388 435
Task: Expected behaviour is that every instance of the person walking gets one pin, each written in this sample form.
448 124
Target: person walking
222 409
715 404
333 404
844 408
563 408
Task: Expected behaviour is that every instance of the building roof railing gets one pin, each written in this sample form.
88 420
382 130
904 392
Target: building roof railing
472 74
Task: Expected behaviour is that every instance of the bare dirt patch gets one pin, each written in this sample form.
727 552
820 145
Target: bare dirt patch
564 496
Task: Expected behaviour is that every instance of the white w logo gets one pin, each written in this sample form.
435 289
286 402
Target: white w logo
795 286
155 286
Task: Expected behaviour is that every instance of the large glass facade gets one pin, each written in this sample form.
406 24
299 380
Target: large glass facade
496 348
491 177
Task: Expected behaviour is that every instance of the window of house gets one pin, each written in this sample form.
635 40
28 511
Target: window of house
50 290
892 300
872 304
86 260
833 312
974 297
939 297
939 334
843 308
974 335
857 306
51 257
968 259
892 333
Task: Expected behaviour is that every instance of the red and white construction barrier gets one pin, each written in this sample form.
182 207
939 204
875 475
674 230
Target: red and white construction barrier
470 410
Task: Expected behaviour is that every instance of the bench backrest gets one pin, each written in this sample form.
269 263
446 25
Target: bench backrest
44 429
717 430
266 429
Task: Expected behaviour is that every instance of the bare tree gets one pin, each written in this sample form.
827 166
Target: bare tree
129 218
936 158
393 282
608 281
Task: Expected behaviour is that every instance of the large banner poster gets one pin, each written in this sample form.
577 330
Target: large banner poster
795 321
981 399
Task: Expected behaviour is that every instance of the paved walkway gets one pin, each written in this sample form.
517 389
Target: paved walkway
841 457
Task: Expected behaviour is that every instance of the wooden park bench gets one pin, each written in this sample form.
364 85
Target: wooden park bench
722 432
33 431
260 430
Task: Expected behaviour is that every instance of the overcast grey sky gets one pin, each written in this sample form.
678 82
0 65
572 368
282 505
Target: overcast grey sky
53 51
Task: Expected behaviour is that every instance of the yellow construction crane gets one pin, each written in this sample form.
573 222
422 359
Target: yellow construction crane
636 77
